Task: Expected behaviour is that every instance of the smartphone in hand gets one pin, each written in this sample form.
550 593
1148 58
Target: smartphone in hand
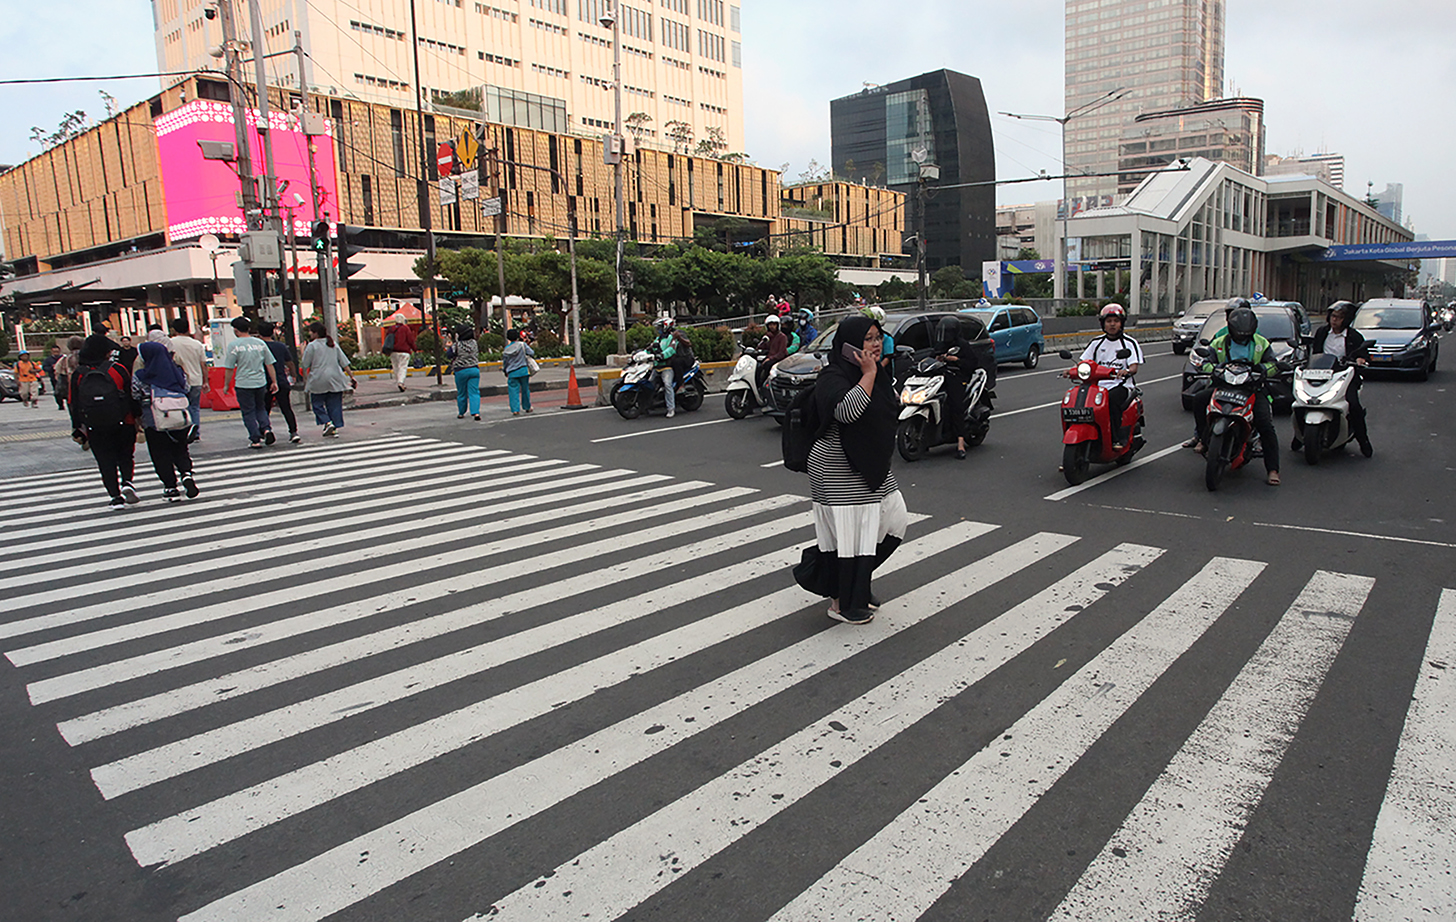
851 353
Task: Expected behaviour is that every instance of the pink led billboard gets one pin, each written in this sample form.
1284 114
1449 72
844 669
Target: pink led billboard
201 195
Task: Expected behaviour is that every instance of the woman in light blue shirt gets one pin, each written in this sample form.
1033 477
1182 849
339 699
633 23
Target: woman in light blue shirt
518 371
326 376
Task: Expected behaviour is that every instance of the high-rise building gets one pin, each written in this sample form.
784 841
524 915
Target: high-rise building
1328 167
1389 202
681 59
1222 130
1166 54
882 134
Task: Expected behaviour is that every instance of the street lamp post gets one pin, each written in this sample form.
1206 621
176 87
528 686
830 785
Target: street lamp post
1059 281
610 20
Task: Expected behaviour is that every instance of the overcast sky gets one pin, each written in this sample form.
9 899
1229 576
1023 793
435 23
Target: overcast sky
1375 81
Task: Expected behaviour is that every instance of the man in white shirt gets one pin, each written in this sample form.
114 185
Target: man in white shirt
1339 340
190 355
1104 351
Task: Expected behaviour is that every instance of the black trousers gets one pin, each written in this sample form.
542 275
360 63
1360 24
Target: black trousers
850 576
58 389
1263 424
1357 412
113 447
1117 398
955 402
285 406
168 449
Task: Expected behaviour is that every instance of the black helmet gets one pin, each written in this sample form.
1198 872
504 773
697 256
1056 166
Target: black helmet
947 331
1242 322
1234 304
1344 309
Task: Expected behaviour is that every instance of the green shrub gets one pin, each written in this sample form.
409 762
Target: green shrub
369 362
427 350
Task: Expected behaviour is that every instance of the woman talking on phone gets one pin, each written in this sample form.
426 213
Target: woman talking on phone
859 514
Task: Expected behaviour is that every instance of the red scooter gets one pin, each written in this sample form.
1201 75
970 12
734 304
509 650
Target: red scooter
1087 421
1231 439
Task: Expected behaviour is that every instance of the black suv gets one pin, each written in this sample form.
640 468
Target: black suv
915 331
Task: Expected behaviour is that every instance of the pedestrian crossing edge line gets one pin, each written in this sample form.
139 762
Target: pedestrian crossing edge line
1191 818
1024 761
1408 867
195 831
624 870
331 881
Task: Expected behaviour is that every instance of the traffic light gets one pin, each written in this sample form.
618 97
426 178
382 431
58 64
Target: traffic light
348 245
319 236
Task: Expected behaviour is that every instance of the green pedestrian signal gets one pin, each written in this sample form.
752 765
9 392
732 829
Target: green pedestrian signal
319 236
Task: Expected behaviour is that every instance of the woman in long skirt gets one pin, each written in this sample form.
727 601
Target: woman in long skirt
859 514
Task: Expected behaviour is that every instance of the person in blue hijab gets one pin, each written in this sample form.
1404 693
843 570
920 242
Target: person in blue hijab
159 387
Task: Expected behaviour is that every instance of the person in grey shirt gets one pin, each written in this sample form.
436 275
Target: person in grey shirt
326 376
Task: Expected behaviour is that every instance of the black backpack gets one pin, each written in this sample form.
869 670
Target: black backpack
102 403
801 427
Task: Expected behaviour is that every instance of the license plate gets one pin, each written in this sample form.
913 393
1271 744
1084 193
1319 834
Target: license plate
1077 414
1231 396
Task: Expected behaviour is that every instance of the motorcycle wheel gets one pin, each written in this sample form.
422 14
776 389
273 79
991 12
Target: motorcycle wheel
1217 463
1076 461
736 403
626 402
910 438
1314 443
692 398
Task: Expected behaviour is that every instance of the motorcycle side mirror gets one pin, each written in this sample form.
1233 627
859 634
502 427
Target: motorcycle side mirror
1293 343
1064 354
904 350
1203 351
1203 342
1124 353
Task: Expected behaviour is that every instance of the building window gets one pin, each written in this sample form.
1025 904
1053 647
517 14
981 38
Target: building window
737 53
677 36
366 192
497 59
711 11
590 10
735 19
636 23
554 6
396 133
711 46
497 13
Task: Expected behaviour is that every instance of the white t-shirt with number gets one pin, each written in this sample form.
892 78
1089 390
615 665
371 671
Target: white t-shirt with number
1104 351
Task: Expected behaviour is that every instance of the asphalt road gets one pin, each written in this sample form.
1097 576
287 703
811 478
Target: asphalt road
552 666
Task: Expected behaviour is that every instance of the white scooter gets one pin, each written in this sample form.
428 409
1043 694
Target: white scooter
924 420
1321 407
743 394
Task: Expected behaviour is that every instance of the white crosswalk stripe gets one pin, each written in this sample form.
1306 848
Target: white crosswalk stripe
628 618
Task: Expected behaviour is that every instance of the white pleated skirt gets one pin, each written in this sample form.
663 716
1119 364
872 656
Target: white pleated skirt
855 531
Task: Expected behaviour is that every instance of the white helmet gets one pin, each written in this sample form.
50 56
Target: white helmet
874 312
771 318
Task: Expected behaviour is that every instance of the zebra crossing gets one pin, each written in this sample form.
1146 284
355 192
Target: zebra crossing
324 702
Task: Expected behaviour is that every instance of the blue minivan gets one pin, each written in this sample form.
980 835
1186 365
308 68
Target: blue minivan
1015 330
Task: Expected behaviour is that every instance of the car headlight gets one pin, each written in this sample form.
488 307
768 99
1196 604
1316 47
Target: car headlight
1418 343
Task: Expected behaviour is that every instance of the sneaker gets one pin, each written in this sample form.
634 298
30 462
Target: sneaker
853 616
670 413
269 438
255 444
129 494
190 486
116 503
172 495
960 454
329 429
477 417
295 438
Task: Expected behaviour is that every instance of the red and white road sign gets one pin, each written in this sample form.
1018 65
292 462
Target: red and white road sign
446 155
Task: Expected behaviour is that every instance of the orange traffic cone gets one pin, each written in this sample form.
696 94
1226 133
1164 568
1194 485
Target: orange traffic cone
573 396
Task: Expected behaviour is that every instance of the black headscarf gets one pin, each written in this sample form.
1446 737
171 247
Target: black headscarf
869 441
96 350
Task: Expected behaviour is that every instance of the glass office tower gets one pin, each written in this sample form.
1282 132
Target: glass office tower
1167 53
877 135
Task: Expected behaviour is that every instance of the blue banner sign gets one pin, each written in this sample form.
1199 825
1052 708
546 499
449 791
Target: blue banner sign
1030 266
1419 249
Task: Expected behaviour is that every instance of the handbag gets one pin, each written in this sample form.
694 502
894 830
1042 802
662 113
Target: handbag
388 346
532 365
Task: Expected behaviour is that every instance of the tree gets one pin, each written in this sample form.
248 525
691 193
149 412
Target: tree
636 123
680 134
814 172
72 125
951 282
713 144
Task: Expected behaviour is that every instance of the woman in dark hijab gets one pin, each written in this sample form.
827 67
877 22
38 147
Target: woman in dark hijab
160 378
859 514
102 416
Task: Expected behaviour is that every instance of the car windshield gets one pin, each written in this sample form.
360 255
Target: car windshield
1389 318
823 341
1274 325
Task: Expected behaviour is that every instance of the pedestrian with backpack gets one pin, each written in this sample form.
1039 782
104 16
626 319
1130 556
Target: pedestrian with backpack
103 417
249 366
282 362
859 514
159 389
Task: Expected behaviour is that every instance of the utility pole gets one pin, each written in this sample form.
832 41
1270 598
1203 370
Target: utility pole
252 213
324 260
426 218
612 21
497 179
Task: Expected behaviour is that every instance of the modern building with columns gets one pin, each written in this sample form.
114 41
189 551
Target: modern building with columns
1214 231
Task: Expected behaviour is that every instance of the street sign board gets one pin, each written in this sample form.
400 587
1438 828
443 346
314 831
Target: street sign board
470 184
447 190
445 158
490 207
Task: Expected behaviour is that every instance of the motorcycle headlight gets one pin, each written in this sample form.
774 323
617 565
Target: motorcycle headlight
744 366
1236 378
916 395
1084 370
